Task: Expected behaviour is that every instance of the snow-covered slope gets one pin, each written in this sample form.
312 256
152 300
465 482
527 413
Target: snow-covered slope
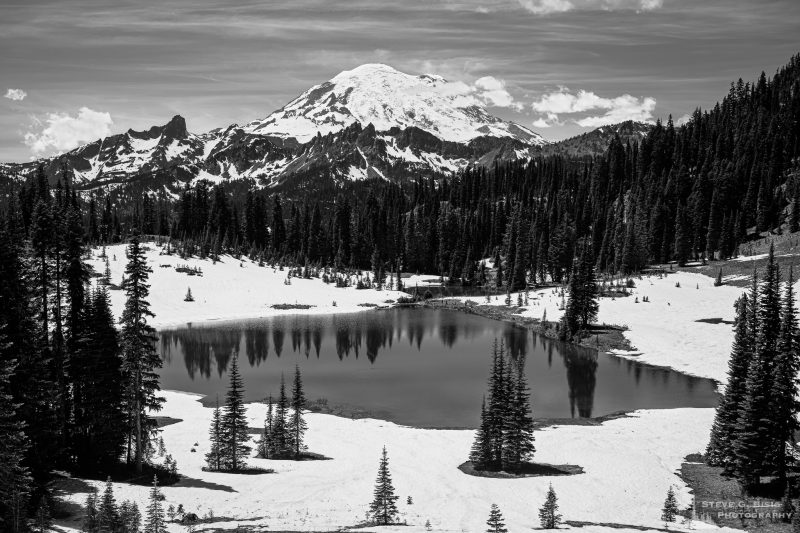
369 122
380 95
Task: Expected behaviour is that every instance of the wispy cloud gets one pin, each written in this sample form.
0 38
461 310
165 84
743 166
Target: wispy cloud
546 7
586 103
16 94
59 132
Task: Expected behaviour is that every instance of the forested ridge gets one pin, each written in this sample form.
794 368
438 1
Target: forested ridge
684 193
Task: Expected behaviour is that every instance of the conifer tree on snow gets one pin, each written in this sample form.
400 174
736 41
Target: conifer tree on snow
582 306
504 439
129 517
383 508
481 452
670 509
548 513
107 511
155 523
755 439
723 433
91 522
757 436
265 442
297 425
214 458
495 522
770 312
140 359
235 439
281 437
518 423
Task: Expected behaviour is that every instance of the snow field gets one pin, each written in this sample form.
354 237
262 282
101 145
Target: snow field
229 289
664 331
629 465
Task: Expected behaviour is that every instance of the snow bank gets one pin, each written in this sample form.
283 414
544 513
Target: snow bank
664 331
629 465
229 289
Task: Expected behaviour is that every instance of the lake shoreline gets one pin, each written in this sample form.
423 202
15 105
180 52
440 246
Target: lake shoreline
603 337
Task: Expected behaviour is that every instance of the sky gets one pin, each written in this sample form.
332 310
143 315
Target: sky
72 71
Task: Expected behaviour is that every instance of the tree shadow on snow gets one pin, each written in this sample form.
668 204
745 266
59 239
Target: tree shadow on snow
194 483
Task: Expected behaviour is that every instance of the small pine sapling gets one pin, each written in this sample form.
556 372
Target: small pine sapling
548 513
495 522
670 509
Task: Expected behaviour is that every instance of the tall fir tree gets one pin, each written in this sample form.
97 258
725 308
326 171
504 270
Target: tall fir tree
719 451
154 522
281 436
297 424
140 359
107 510
518 423
785 406
97 387
235 438
214 459
383 508
481 451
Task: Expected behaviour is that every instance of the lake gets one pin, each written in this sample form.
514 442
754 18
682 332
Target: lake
418 367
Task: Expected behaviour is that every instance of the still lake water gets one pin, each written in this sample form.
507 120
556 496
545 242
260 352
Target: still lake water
418 367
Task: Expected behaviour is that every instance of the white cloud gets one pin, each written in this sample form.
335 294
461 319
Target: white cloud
493 92
16 94
683 119
485 91
548 121
617 109
546 7
61 132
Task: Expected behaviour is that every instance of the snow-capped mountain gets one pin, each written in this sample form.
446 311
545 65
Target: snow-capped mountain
372 121
386 98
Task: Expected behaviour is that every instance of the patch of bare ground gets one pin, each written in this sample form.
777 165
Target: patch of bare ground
719 500
738 272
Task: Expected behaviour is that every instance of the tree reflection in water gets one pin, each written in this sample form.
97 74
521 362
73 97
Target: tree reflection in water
419 366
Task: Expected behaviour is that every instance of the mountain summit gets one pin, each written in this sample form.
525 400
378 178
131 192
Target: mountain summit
380 95
370 122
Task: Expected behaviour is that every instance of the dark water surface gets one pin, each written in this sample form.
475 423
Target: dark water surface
419 367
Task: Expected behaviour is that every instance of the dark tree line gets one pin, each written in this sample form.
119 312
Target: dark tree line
67 375
692 192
